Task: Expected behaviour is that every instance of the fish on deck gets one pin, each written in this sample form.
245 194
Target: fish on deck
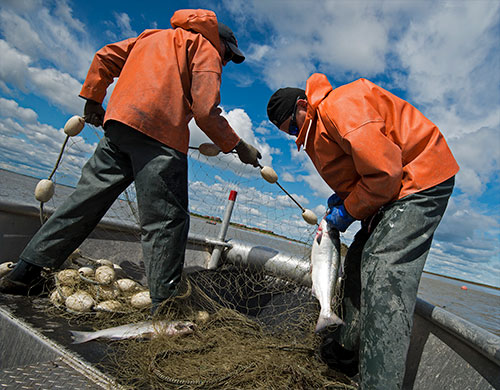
144 329
325 262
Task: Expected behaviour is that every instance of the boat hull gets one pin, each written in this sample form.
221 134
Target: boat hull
446 351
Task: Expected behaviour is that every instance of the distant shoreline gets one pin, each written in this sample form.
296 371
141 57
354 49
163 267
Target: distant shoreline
463 280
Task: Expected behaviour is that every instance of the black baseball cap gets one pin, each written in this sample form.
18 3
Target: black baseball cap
281 104
227 35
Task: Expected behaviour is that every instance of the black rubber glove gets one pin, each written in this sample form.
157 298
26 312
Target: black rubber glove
247 153
93 113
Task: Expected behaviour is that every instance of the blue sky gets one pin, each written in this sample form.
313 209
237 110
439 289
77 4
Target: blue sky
443 57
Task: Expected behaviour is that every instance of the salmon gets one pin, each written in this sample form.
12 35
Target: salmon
325 262
144 329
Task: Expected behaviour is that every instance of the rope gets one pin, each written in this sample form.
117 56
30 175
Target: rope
42 217
59 157
91 281
216 381
211 382
59 291
293 348
193 382
131 207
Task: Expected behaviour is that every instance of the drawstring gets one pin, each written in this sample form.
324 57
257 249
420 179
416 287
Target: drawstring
307 134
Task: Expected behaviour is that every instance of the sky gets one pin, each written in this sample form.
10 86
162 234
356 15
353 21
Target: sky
441 56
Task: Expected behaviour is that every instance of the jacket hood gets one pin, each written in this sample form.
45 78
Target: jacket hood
317 88
199 20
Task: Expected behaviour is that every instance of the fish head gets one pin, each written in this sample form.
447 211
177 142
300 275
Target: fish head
183 327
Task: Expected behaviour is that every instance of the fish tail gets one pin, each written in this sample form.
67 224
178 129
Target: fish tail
326 320
81 337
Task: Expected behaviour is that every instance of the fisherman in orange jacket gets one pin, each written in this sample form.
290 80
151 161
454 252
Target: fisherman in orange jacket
165 78
390 168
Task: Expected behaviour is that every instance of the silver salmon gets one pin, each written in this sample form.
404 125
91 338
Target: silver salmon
142 329
325 262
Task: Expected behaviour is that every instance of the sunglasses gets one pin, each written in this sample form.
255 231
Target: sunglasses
228 53
293 129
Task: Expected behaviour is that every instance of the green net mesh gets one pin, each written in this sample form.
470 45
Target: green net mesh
259 332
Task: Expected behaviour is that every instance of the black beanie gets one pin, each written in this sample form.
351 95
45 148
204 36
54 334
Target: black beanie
281 104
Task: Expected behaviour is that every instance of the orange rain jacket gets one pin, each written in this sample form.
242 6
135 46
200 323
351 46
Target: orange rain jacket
166 77
370 146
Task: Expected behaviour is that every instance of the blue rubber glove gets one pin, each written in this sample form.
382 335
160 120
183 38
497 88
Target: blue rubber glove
338 218
333 201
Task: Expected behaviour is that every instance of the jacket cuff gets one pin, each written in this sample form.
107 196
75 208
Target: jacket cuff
92 94
229 146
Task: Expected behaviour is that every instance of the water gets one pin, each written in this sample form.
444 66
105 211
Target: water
478 304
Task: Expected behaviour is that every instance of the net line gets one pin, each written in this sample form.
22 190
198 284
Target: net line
260 327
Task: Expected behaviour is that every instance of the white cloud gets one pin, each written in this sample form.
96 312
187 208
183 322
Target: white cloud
440 261
478 154
65 13
320 211
354 40
10 127
287 177
57 87
256 52
13 66
339 37
242 125
44 48
448 50
264 128
48 33
123 23
308 173
29 146
11 109
466 243
19 33
452 58
463 224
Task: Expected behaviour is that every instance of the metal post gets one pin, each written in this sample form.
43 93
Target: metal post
214 259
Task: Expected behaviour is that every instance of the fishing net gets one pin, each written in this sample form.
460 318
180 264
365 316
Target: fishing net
259 333
253 339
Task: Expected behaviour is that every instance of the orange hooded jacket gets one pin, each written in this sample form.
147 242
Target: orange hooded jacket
370 146
165 78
